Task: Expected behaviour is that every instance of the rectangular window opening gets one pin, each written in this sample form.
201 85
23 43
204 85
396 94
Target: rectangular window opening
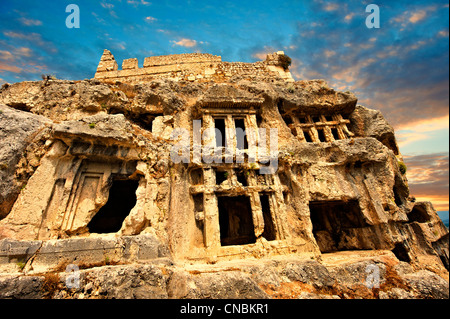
307 136
335 133
235 220
219 125
321 134
316 119
287 119
198 202
241 177
221 176
196 176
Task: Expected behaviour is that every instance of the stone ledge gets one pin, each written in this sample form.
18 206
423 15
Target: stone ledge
44 255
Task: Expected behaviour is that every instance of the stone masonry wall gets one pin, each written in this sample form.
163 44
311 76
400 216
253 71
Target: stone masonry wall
188 67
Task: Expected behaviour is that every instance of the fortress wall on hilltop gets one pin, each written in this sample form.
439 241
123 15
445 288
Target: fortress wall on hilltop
187 67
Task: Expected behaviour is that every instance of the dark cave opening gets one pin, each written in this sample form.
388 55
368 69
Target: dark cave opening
122 198
331 222
418 214
401 252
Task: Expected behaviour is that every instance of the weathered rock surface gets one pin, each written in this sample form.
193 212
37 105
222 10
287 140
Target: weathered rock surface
428 285
285 277
91 177
18 131
367 122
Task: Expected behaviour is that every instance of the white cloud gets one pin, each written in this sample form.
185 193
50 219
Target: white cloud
107 5
443 33
136 3
35 38
23 51
331 7
349 17
6 55
352 73
417 16
329 53
262 54
187 43
150 19
30 22
412 17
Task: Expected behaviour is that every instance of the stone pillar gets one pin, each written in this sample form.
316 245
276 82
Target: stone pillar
230 136
211 229
251 127
258 219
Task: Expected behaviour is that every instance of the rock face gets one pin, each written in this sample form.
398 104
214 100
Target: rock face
20 133
279 277
130 170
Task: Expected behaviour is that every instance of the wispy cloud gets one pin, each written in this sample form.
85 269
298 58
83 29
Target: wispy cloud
30 22
6 55
423 136
443 33
187 43
10 68
136 3
150 19
349 16
107 5
261 54
12 60
331 7
34 38
110 7
408 17
428 178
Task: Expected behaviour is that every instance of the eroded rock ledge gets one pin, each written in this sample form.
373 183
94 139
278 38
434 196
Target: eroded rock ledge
338 276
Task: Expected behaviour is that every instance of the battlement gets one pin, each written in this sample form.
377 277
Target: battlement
181 59
191 67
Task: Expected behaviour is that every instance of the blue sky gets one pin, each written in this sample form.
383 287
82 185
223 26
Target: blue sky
402 68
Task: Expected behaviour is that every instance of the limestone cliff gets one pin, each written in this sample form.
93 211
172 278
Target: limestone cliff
88 178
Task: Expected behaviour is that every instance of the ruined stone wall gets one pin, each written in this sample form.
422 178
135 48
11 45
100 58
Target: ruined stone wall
186 58
187 67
